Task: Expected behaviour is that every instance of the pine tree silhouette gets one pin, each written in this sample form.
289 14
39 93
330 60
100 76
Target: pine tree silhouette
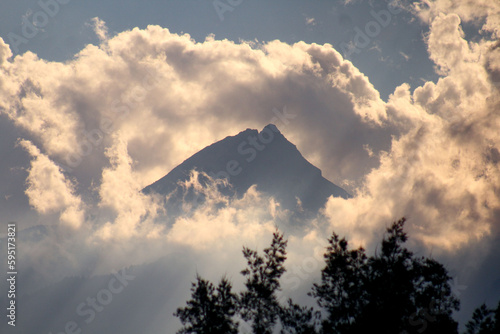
259 302
296 319
393 292
484 321
211 310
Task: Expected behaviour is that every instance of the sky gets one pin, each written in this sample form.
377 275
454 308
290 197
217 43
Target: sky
397 102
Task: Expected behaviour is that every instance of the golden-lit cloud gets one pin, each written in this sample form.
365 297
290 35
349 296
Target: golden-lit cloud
483 12
122 114
443 171
245 220
49 191
116 117
167 93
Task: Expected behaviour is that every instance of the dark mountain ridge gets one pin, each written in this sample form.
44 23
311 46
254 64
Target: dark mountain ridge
266 159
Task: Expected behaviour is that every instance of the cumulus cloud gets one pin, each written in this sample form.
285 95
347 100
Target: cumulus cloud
170 96
482 12
443 171
50 191
121 192
5 52
122 114
247 219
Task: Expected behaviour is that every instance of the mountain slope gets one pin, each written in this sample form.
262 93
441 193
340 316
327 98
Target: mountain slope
266 159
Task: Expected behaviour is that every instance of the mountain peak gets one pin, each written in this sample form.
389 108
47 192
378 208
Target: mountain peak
269 131
271 127
266 159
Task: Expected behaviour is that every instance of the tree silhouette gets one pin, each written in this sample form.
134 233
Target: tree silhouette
342 292
484 321
296 319
210 311
259 302
393 292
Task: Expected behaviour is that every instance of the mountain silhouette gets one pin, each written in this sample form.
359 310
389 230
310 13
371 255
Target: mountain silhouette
265 159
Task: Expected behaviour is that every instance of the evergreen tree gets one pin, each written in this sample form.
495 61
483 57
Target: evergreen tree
406 292
259 302
342 292
393 292
484 321
210 311
296 319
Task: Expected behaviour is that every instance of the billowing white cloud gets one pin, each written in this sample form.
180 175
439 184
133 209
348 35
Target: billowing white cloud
100 28
443 171
49 191
120 191
485 13
246 219
5 52
169 96
122 114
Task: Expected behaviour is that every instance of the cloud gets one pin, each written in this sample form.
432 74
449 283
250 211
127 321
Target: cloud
482 12
443 171
310 21
49 191
404 55
100 28
167 96
34 108
5 52
122 114
121 192
243 220
446 43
